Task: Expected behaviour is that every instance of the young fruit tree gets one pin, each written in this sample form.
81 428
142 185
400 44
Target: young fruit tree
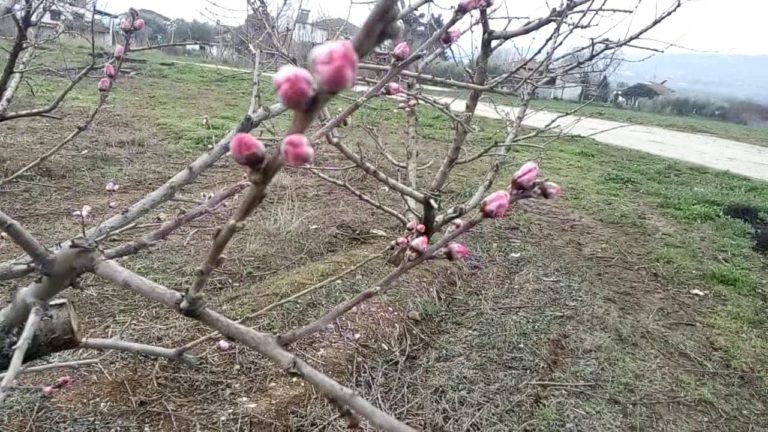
377 62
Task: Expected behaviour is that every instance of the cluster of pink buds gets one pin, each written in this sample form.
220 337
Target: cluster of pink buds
60 384
415 238
466 6
134 24
524 184
401 51
450 36
525 180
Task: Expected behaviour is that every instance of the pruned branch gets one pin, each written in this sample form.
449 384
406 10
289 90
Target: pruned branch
20 350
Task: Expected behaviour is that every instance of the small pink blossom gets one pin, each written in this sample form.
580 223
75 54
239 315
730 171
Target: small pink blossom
125 25
247 150
294 86
296 150
450 36
138 24
420 244
456 252
223 346
392 89
550 190
420 228
109 71
49 391
401 242
525 177
119 52
401 51
495 205
334 65
412 225
105 84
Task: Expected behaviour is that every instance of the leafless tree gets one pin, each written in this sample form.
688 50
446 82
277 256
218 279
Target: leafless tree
36 324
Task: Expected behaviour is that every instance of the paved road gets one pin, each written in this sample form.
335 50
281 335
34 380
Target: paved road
726 155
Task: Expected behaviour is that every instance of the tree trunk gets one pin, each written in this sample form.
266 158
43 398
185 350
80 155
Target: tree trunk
59 330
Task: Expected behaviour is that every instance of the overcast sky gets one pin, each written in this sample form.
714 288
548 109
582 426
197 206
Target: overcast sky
717 26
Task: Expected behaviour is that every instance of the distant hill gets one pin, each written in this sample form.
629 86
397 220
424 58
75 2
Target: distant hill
716 75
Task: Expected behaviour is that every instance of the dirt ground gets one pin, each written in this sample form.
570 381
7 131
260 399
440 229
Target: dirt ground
559 321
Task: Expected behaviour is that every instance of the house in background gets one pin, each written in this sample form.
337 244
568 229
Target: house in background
75 16
650 90
321 30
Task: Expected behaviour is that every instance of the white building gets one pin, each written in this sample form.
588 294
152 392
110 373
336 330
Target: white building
75 17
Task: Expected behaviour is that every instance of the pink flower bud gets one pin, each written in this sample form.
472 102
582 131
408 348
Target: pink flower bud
550 190
456 252
420 244
334 65
138 24
49 391
63 381
294 86
525 177
392 89
223 346
450 37
247 150
109 71
401 51
412 225
495 205
296 150
420 228
119 52
401 242
469 5
125 25
413 102
105 84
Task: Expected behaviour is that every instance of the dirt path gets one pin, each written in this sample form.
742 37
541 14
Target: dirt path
721 154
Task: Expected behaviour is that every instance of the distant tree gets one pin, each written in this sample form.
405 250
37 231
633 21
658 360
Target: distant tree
638 91
418 28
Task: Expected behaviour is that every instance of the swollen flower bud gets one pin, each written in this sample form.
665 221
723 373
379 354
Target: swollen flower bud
109 71
223 346
495 205
296 150
525 177
401 242
119 52
392 89
105 84
64 381
420 244
456 252
334 64
450 37
125 25
550 190
469 5
420 228
247 150
294 86
401 51
138 24
412 225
